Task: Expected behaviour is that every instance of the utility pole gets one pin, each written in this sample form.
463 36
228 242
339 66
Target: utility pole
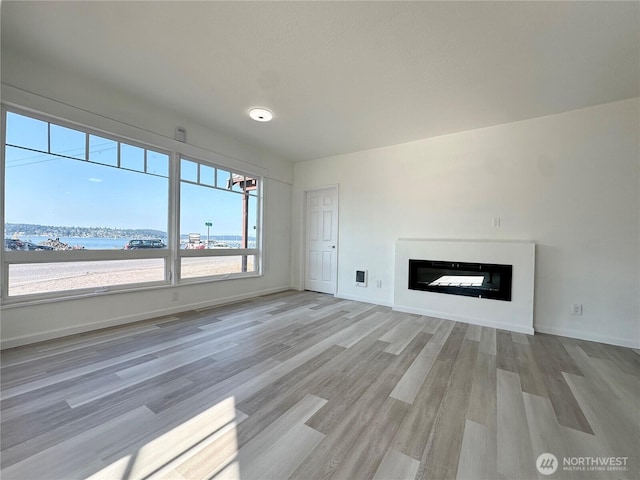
247 184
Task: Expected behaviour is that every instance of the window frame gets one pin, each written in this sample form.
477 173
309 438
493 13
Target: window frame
171 256
219 252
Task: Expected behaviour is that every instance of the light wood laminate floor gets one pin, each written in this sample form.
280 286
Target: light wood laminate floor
307 386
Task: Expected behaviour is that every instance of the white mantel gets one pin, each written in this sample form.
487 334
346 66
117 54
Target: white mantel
516 315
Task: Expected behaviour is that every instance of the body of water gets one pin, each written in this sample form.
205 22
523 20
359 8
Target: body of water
106 243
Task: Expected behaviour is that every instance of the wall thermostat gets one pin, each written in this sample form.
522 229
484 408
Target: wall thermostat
361 278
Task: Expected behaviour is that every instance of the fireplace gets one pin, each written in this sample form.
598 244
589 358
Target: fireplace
482 280
515 313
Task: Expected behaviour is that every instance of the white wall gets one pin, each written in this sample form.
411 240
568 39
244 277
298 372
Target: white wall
568 182
87 101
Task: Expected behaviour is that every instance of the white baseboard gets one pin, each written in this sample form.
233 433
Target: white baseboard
591 337
362 299
459 318
112 322
64 332
429 313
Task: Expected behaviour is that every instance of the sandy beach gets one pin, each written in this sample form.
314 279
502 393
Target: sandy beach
25 279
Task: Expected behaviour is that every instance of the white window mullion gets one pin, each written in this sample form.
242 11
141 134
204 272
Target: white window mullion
173 263
86 146
4 278
259 222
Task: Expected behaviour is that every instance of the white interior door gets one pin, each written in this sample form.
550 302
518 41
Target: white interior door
321 250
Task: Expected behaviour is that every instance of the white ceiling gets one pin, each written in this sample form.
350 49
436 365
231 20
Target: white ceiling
342 77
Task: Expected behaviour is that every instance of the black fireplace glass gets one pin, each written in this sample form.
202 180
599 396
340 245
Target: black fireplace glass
483 280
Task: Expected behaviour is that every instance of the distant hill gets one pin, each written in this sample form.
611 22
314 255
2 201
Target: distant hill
27 230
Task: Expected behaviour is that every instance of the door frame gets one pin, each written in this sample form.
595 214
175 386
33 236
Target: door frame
303 257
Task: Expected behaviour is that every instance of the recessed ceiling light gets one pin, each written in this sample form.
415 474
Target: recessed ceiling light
260 114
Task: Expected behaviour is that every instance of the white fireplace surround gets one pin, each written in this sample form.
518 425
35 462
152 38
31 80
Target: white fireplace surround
516 315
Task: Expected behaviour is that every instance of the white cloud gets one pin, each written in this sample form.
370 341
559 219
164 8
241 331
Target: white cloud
96 180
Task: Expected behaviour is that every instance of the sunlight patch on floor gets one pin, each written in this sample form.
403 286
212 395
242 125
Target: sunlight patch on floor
187 448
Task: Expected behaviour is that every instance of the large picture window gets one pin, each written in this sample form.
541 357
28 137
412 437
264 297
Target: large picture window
88 212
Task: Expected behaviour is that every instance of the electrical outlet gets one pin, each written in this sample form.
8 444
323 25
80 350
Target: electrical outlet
175 296
495 222
576 309
379 283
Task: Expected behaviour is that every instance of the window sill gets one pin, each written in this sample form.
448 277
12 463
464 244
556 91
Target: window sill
31 300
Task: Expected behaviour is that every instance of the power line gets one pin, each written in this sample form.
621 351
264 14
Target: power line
43 153
57 156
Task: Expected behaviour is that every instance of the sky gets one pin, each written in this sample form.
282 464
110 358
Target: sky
46 189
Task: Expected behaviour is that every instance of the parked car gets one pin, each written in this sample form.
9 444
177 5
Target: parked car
13 244
33 246
151 243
